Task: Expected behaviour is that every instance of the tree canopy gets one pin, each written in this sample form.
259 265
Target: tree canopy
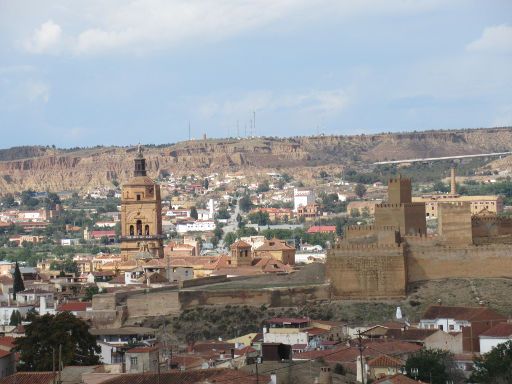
17 285
434 366
46 333
494 367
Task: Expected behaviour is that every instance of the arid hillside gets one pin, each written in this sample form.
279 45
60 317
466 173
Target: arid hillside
43 168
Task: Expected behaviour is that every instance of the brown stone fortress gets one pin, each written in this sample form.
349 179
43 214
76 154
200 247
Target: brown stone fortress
379 261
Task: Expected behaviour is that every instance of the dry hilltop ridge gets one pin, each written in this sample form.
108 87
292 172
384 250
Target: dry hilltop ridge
45 168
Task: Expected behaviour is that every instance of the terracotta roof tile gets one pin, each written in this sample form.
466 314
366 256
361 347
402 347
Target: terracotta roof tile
29 378
72 307
502 330
458 313
397 379
383 361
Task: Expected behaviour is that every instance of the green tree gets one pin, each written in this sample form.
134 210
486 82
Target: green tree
206 183
15 318
260 218
360 190
90 292
435 366
46 333
440 187
245 203
193 213
495 366
8 201
263 187
223 214
17 285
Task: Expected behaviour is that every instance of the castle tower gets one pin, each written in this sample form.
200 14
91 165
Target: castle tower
399 190
141 215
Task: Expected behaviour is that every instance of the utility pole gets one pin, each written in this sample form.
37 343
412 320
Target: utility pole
60 363
360 346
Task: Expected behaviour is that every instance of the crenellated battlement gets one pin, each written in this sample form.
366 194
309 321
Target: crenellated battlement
491 219
354 246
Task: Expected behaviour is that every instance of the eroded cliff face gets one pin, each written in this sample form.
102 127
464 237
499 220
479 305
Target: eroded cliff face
84 169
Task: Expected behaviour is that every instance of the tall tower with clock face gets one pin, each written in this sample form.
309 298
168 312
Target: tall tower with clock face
141 215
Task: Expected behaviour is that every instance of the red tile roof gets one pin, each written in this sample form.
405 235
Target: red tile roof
187 377
7 341
501 330
397 379
384 361
4 353
72 307
321 229
434 312
29 378
240 244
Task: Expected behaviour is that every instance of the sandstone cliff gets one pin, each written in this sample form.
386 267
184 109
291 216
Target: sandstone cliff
42 168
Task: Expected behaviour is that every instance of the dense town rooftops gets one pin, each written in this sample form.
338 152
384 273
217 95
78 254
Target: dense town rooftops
385 361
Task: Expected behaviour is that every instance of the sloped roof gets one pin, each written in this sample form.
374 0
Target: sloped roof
383 361
240 244
502 330
321 228
72 307
417 334
434 312
29 378
397 379
274 245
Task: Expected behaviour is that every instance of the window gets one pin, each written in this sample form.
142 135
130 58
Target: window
139 227
146 230
132 230
138 197
441 327
133 362
452 327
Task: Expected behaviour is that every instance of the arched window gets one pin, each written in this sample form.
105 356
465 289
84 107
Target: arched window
132 230
146 230
139 227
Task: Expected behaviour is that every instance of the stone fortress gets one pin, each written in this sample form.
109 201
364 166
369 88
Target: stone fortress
380 260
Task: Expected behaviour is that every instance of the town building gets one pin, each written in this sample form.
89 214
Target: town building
499 334
302 198
141 215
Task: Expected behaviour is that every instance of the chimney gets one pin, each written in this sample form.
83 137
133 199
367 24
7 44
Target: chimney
453 189
325 376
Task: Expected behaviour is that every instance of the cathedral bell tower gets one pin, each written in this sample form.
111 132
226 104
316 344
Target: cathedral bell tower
141 215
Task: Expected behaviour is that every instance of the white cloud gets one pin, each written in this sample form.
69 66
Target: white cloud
495 39
44 39
37 91
97 26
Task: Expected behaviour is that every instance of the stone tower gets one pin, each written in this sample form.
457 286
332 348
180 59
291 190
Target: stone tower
241 254
399 190
141 215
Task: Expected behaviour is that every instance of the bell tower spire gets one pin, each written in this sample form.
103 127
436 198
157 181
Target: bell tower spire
140 163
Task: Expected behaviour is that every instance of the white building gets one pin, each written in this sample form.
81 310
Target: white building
196 226
288 331
498 334
301 198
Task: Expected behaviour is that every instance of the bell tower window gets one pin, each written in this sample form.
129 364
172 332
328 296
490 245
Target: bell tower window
146 230
132 231
138 196
139 227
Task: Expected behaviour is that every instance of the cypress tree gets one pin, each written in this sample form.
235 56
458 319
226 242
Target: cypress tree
17 285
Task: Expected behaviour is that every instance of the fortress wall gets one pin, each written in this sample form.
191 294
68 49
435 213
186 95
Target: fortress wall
275 297
361 272
491 226
159 303
425 263
454 223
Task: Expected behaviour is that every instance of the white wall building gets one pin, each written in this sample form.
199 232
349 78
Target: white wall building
498 334
301 198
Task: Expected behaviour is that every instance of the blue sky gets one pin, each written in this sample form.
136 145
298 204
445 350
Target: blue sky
82 73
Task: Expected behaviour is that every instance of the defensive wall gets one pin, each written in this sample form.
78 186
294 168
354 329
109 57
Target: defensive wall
367 270
427 262
111 310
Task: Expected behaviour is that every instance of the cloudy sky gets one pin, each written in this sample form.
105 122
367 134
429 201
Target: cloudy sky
81 73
